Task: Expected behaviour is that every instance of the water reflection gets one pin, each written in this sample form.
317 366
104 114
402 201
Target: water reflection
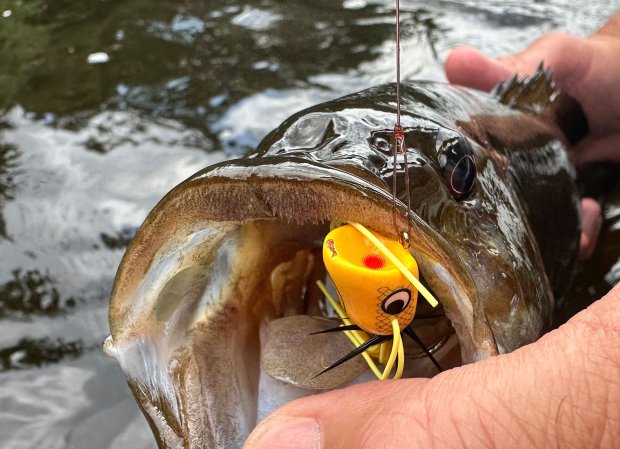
216 48
29 293
120 240
75 201
8 164
75 194
30 352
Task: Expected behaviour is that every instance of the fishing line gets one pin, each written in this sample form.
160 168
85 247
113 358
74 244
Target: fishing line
347 273
399 146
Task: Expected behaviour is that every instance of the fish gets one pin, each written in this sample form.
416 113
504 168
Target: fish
214 300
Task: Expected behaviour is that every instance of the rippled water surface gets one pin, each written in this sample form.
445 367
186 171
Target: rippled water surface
107 104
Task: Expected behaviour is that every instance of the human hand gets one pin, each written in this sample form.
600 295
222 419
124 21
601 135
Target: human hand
587 69
562 391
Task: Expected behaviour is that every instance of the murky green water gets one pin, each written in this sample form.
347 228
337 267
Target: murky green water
106 104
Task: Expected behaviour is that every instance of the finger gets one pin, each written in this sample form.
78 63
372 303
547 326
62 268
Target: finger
593 149
560 391
611 27
335 420
591 223
466 66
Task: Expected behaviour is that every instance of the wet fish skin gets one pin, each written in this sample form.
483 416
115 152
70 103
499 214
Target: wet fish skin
198 279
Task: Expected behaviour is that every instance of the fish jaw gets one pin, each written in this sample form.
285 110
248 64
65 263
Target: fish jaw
227 250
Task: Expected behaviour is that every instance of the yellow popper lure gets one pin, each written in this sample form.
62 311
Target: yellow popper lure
377 283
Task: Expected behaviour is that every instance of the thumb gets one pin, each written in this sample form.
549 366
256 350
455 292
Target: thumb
563 390
371 415
466 66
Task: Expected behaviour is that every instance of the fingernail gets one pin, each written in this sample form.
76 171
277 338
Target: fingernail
286 432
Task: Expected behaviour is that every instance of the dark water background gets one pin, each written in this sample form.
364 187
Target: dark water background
107 104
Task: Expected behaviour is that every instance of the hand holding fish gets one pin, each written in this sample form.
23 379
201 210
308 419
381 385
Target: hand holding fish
560 391
587 69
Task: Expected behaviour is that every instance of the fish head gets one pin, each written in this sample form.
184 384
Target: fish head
237 246
458 179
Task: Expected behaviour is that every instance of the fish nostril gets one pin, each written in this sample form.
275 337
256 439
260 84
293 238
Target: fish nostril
396 302
381 144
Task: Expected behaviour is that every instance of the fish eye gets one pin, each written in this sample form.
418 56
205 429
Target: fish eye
459 169
396 302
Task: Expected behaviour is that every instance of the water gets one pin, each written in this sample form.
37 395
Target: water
106 104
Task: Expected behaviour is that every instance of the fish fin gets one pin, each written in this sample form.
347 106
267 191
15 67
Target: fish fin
537 93
533 93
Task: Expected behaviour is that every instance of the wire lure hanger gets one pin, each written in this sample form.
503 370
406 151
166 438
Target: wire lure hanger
376 277
399 147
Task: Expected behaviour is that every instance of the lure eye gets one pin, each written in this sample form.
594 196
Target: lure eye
459 168
396 302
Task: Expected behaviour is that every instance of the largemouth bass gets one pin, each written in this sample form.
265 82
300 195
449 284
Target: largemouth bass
494 228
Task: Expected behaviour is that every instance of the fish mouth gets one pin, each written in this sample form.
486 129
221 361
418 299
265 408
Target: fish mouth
231 251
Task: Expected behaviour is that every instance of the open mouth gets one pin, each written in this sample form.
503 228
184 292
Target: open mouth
216 298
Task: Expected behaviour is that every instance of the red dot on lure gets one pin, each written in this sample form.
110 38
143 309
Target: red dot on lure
374 261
